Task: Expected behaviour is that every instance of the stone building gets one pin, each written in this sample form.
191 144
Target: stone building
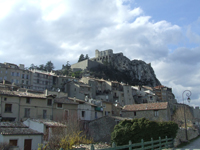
78 90
152 111
165 94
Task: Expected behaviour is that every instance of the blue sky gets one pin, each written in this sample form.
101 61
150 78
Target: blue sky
164 33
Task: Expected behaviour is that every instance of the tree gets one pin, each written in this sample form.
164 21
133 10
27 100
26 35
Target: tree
81 58
86 57
32 67
66 68
41 67
49 66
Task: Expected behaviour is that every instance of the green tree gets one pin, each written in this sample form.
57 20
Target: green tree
41 67
86 56
81 58
66 68
49 66
33 66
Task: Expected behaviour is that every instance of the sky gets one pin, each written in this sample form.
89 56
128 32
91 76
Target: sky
164 33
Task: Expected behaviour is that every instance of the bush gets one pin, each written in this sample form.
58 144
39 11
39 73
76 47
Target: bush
138 129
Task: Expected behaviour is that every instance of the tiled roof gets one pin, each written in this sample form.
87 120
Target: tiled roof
49 123
64 100
146 106
18 131
12 125
21 94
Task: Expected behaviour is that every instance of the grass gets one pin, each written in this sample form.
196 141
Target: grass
187 143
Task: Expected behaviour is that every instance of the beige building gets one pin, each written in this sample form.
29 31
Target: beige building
151 111
15 74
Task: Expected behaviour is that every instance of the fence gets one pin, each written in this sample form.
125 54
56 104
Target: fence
153 145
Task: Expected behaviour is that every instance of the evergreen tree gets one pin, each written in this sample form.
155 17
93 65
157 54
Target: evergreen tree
49 66
86 57
81 58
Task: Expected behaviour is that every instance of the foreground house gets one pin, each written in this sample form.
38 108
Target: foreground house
19 136
151 111
48 127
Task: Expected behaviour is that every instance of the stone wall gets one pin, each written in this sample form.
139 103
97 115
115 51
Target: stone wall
101 129
180 136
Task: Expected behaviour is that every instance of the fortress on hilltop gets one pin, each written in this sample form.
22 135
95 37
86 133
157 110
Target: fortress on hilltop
101 57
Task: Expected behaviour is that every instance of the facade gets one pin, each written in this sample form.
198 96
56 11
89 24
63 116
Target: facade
78 90
152 111
65 109
21 104
41 80
15 74
165 94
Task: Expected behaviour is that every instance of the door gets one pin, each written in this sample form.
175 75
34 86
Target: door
27 144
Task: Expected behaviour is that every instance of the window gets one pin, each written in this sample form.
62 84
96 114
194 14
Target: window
5 98
22 81
134 113
27 76
38 81
27 113
18 74
12 74
49 102
156 113
13 142
59 105
28 100
27 82
83 113
5 77
44 114
22 76
8 107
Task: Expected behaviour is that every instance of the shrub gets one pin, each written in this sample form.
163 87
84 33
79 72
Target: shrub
138 129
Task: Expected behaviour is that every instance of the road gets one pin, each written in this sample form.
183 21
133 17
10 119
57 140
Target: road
194 145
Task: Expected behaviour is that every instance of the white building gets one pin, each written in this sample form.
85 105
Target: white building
19 136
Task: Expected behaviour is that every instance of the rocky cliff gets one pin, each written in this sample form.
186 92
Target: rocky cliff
122 69
138 70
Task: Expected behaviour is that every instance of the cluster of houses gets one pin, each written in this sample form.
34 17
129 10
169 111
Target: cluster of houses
34 102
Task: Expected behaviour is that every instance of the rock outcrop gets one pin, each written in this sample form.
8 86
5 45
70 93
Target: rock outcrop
139 71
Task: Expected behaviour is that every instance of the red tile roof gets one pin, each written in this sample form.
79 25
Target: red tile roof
146 106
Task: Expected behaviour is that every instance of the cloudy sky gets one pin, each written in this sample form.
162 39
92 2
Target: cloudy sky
164 33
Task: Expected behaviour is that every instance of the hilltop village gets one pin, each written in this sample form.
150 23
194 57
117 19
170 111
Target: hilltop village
33 102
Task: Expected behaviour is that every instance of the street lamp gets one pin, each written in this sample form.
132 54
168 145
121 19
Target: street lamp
188 93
